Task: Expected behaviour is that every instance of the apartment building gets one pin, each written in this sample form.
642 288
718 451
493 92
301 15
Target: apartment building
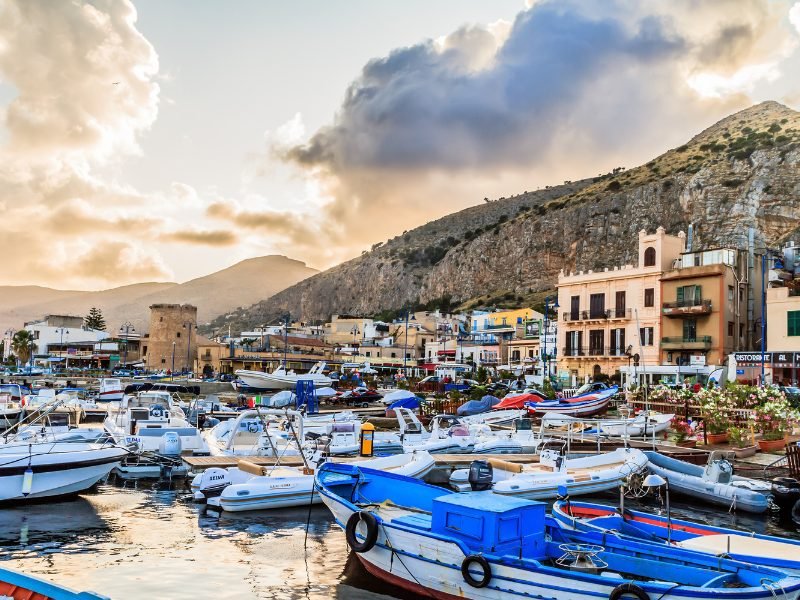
611 318
704 308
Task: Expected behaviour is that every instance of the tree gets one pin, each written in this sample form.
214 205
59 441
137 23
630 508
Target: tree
22 345
95 320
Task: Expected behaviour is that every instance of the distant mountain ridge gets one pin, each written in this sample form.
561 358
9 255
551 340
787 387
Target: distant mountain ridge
215 294
742 172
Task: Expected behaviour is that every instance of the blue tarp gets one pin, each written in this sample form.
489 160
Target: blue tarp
474 407
410 403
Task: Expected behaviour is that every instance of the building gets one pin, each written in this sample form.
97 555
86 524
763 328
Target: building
783 335
704 307
490 327
608 317
171 342
64 340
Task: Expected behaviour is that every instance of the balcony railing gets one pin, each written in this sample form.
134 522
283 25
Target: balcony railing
572 316
697 341
593 351
620 313
694 306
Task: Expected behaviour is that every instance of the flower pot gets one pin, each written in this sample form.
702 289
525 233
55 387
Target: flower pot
717 438
745 452
772 445
687 444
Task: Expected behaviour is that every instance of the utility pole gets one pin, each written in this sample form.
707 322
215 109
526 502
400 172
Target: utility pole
405 349
188 349
125 328
763 312
286 317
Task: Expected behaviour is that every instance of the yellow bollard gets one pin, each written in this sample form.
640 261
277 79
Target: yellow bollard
367 438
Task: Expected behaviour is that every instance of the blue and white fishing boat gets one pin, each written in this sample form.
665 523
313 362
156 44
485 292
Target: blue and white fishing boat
751 547
583 405
715 483
19 586
447 545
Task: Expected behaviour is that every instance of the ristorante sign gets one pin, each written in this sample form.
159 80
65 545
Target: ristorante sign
776 359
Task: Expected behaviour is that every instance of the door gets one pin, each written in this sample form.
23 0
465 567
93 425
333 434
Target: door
690 330
597 306
574 307
619 304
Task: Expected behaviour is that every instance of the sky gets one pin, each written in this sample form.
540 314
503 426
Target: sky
161 140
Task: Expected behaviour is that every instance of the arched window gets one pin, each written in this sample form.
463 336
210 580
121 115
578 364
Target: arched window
650 257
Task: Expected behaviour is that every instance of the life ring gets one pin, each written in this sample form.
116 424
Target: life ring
480 560
628 589
370 538
796 513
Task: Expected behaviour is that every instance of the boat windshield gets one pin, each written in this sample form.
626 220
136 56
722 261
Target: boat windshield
148 400
13 389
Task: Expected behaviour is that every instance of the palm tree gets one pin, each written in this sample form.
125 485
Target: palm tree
22 345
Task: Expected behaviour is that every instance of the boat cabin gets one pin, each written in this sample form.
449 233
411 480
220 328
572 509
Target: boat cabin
490 523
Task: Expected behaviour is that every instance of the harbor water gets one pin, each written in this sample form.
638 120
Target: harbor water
149 540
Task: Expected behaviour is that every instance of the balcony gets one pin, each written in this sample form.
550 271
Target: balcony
700 342
620 313
595 315
686 308
594 351
571 316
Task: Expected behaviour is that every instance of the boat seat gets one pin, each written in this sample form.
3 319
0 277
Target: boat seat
246 438
505 465
250 467
742 544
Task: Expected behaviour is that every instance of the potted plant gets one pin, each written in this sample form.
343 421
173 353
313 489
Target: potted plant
742 441
717 409
773 420
682 433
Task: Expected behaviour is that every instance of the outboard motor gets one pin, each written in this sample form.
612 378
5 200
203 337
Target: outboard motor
210 423
785 493
212 482
170 444
719 471
481 476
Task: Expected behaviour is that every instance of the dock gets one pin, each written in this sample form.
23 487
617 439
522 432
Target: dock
452 461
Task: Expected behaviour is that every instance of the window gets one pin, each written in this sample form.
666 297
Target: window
617 342
690 295
367 353
730 293
619 304
741 330
394 355
597 306
160 319
793 318
650 297
178 334
730 328
650 257
596 342
690 330
574 340
646 336
574 307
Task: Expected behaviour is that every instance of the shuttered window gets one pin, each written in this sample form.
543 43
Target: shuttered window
793 318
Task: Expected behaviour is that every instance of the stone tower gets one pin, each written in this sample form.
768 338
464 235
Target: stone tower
173 332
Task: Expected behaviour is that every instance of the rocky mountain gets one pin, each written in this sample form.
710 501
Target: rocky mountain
216 294
741 173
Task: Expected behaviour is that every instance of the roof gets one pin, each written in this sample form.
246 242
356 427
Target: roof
300 341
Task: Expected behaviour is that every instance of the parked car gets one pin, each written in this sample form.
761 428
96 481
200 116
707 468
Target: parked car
792 394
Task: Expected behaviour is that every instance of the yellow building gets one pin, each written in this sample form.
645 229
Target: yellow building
783 334
609 316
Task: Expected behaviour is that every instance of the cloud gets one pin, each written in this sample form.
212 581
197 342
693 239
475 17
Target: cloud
118 262
201 237
570 89
794 16
288 226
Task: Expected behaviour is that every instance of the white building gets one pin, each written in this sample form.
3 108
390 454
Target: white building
63 334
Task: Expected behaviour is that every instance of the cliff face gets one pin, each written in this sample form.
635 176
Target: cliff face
741 173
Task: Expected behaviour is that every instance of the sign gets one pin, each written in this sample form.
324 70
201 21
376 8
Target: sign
697 361
114 357
783 359
751 358
740 371
533 328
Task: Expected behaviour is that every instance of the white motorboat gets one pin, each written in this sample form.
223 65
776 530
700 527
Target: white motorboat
111 390
495 418
644 424
30 471
541 481
150 420
281 379
252 487
11 410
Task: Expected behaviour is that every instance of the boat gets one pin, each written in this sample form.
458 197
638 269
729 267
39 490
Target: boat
255 432
517 400
253 487
36 470
495 418
642 425
446 545
20 586
584 405
111 390
714 483
750 547
281 379
475 407
151 420
11 408
542 480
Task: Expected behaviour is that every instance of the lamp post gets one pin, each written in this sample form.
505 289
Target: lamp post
172 372
655 481
763 312
405 349
125 330
355 332
286 319
547 300
61 332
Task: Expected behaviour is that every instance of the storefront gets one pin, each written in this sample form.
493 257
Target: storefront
780 368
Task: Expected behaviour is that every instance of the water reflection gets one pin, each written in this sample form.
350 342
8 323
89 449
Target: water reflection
147 541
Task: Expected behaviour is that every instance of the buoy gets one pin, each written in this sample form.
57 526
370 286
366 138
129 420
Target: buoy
27 481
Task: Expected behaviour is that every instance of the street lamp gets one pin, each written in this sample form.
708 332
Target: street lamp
125 329
655 481
172 372
547 306
355 332
61 331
